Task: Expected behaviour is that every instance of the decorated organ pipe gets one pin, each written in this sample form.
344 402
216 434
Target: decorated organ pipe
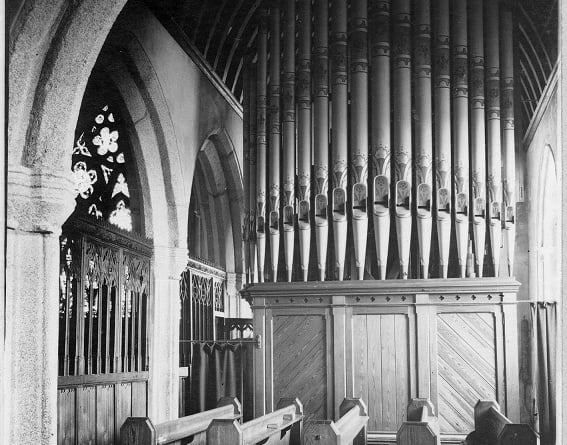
261 95
461 129
426 99
304 134
507 104
274 141
288 134
380 137
494 155
402 130
442 105
477 132
246 167
339 137
358 43
423 130
252 169
321 131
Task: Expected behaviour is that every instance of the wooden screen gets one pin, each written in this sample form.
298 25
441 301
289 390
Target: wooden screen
103 329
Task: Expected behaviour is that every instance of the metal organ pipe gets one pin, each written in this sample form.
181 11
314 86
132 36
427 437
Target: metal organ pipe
461 129
339 129
246 167
358 43
494 161
442 103
261 143
380 129
304 134
402 129
252 189
321 131
509 171
478 141
275 139
423 130
288 134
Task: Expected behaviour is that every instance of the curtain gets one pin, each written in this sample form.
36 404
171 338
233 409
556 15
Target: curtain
221 370
544 322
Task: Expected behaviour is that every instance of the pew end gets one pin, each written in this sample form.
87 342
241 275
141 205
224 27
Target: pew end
421 426
349 429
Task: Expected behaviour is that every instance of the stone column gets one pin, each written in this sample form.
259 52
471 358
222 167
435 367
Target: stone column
38 204
163 397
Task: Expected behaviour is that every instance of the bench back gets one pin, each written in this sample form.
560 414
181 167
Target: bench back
141 431
282 426
349 429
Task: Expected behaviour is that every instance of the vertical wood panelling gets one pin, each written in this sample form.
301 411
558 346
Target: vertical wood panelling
466 360
86 415
299 362
139 398
105 414
123 403
66 416
381 373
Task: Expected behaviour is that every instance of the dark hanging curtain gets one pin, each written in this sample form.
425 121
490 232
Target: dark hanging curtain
544 319
221 370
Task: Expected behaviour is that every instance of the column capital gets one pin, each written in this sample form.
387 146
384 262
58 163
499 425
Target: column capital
38 201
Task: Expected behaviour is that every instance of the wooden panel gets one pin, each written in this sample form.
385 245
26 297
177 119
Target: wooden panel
381 367
66 416
299 362
86 415
105 414
466 362
123 394
139 399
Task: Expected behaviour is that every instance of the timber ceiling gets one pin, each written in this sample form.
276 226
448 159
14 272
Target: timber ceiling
224 31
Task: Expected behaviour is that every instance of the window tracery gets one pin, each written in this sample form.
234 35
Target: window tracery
99 168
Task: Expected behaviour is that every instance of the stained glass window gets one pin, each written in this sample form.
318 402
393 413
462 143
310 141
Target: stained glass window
99 166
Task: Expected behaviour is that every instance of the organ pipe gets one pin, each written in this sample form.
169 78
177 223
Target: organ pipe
252 189
321 131
339 129
261 143
478 141
494 161
304 134
288 134
275 138
358 43
246 168
442 103
380 130
509 171
461 129
402 129
423 130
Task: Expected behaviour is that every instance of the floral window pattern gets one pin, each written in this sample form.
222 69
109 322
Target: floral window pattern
99 169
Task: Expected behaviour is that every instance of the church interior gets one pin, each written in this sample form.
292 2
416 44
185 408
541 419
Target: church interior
338 212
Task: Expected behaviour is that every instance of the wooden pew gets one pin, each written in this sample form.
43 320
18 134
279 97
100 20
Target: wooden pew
421 426
283 426
349 429
141 431
491 427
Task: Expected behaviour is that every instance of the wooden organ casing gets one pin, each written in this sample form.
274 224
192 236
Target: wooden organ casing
452 341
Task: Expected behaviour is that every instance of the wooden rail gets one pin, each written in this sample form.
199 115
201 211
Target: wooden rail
283 426
421 426
141 430
349 429
494 428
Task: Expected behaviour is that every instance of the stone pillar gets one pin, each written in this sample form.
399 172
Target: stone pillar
38 204
163 397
